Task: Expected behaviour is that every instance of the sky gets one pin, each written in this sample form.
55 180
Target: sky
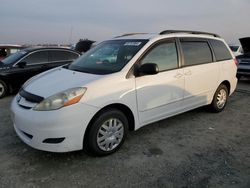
67 21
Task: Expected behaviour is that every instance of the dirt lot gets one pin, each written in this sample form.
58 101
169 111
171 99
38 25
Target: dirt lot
195 149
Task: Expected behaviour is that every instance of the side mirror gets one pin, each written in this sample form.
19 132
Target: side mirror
148 69
22 64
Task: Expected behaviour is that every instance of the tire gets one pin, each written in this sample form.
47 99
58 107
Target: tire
3 89
220 99
107 133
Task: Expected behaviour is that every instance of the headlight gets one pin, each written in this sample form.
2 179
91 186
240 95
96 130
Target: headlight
65 98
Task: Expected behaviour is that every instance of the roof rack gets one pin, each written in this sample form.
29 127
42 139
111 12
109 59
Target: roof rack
129 34
189 32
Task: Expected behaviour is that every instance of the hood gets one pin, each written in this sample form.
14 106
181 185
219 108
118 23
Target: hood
58 80
245 43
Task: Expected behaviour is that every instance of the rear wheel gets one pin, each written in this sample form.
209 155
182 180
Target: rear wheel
107 133
3 89
220 99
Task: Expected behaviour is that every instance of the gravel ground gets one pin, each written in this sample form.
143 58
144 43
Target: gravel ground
194 149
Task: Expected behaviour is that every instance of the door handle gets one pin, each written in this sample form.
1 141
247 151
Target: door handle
188 73
178 75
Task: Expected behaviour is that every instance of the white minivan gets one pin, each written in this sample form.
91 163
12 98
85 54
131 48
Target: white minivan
121 85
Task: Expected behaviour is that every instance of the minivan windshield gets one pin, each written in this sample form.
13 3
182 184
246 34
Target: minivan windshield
107 57
14 57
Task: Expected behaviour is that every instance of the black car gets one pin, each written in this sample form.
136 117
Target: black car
244 59
19 67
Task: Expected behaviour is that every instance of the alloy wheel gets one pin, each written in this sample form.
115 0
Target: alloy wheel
2 89
110 134
221 98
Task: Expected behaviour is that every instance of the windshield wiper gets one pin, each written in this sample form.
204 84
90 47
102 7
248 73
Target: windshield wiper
66 66
78 69
84 71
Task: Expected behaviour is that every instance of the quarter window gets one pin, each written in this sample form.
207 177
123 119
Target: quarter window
36 57
197 52
164 55
220 50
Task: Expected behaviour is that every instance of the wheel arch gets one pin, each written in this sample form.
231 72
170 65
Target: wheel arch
3 79
227 84
9 87
121 107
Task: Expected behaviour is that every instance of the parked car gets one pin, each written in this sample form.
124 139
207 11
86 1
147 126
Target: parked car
123 84
244 59
8 49
19 67
236 49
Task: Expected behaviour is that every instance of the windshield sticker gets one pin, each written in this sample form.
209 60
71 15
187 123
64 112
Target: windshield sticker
132 44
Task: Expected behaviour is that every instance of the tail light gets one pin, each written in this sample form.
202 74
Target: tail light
236 62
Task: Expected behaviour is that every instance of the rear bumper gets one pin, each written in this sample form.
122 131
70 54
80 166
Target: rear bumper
243 73
244 67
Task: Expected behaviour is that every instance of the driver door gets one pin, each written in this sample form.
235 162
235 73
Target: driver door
160 95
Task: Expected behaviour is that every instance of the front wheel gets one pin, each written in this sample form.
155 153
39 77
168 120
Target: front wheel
3 89
107 132
220 99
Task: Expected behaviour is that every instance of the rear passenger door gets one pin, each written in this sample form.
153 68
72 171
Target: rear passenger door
61 57
200 71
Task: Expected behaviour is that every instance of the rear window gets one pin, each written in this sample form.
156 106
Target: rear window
196 52
220 50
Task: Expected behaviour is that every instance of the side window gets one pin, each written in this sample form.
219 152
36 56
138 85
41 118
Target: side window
220 50
164 55
197 52
36 58
56 55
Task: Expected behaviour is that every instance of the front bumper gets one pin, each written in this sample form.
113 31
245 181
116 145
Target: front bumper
66 125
